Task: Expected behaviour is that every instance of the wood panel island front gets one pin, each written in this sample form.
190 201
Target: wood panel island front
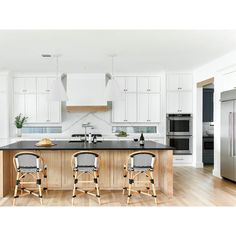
113 156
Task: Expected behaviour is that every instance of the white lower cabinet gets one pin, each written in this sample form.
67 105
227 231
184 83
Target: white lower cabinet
182 159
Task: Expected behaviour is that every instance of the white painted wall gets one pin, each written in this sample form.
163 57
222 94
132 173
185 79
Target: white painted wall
5 101
223 70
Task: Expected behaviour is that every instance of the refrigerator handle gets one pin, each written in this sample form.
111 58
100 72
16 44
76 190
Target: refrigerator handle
231 126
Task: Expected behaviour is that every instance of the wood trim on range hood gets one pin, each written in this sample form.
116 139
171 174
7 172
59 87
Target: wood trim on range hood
87 108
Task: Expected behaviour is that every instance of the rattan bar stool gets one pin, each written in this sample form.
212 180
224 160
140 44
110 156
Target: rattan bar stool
140 163
29 164
85 162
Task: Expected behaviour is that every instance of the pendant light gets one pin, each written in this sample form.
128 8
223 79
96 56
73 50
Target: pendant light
112 91
58 92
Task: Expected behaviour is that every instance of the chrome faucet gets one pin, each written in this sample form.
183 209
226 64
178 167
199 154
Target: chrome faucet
85 126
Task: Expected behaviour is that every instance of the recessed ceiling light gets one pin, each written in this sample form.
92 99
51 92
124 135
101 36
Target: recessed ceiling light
46 55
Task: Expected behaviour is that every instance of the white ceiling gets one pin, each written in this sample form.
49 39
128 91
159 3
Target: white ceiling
139 51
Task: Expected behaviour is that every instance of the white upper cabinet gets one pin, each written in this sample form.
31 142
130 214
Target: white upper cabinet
186 81
19 104
185 102
143 108
179 102
127 83
31 98
30 108
131 107
154 84
125 110
25 85
179 93
154 108
118 111
131 84
149 107
179 82
172 82
150 84
44 84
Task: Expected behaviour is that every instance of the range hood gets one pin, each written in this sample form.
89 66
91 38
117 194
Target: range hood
86 92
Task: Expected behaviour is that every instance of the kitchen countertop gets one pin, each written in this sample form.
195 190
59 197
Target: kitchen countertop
104 145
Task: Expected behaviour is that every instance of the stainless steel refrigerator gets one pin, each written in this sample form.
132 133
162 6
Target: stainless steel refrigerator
228 132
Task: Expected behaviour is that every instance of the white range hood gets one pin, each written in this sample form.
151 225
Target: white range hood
86 92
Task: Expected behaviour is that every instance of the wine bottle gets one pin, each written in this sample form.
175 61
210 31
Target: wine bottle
141 140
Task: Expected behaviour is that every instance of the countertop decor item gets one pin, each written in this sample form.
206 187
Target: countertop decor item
19 122
45 142
122 134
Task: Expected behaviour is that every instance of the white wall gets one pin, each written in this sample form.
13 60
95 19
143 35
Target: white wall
5 80
223 70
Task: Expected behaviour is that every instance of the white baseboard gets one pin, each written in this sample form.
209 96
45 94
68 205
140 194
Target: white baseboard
198 165
182 164
216 173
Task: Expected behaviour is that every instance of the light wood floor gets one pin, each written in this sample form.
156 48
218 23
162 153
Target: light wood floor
192 187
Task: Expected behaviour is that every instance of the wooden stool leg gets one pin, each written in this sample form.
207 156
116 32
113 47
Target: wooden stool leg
96 186
16 188
153 186
74 188
130 186
45 176
39 187
125 179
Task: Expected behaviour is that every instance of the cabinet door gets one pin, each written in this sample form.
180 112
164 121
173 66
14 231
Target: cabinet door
172 82
50 83
143 84
173 102
154 107
54 112
42 85
30 107
143 107
185 102
19 85
154 85
131 84
19 104
131 110
185 82
121 81
118 110
42 108
30 85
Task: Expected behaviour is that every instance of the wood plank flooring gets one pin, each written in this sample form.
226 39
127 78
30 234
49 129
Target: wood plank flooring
192 187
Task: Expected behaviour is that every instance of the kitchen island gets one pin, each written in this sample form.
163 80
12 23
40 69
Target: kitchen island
113 156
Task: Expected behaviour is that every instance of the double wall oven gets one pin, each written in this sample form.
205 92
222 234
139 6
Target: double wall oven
179 133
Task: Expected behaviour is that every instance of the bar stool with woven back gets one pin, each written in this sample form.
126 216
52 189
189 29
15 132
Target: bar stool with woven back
139 163
85 162
31 165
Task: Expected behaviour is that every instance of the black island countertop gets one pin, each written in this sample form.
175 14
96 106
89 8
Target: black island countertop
104 145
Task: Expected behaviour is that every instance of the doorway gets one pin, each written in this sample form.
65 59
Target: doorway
208 125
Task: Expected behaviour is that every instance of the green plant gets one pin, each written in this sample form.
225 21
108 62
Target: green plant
20 120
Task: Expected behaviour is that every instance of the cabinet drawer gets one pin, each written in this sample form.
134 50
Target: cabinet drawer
183 159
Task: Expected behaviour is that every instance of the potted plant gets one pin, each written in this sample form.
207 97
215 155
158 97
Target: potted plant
19 122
